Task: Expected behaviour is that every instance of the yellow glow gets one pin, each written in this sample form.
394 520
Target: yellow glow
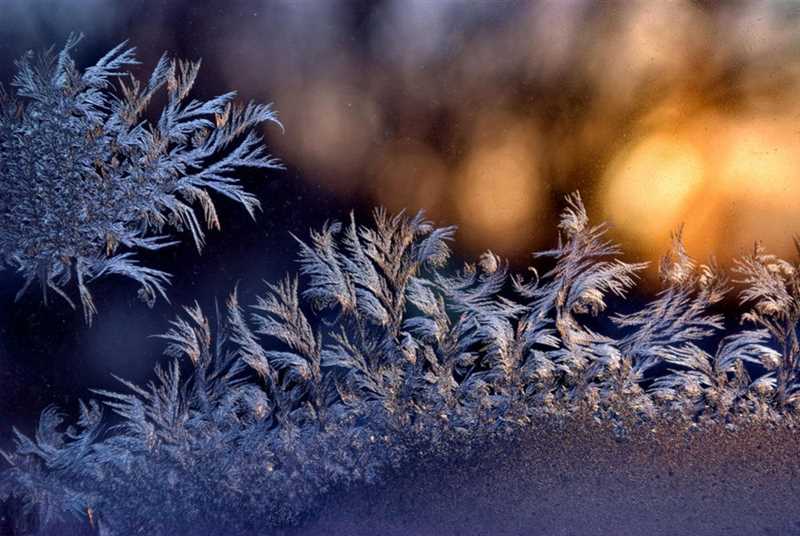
730 180
649 187
660 113
499 190
759 179
759 162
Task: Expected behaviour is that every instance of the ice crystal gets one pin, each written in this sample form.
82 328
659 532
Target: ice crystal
87 179
385 353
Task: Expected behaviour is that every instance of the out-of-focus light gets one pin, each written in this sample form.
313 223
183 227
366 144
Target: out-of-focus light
760 162
638 47
334 129
649 187
759 179
660 113
731 180
409 176
499 190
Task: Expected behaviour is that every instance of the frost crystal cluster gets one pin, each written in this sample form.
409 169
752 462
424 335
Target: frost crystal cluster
383 354
87 178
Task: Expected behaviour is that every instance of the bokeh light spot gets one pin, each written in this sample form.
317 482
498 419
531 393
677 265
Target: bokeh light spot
650 185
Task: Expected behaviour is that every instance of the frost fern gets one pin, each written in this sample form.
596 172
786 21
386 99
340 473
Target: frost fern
87 179
386 354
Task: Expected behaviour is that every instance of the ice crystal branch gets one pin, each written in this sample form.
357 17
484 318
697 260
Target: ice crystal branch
87 179
382 353
772 293
680 313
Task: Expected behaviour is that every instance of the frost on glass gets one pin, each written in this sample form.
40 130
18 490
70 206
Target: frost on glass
87 178
379 353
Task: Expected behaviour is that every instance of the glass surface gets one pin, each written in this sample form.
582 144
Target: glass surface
669 118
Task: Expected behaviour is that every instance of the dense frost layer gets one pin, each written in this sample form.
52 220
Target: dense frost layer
384 356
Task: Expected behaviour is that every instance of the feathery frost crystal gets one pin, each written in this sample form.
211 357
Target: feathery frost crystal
87 179
384 354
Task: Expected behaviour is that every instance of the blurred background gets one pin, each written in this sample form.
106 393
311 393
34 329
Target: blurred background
483 113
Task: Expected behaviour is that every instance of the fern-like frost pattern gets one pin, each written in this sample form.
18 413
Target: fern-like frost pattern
384 354
88 180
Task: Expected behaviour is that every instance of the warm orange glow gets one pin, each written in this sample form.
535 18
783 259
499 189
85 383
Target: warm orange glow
499 188
759 187
333 130
661 113
730 180
642 44
410 176
649 187
760 160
